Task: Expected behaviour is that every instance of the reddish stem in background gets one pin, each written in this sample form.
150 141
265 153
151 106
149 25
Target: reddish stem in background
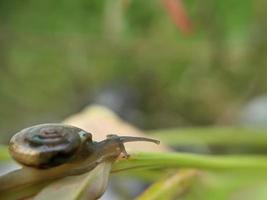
178 14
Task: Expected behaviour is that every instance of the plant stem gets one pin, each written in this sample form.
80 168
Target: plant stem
221 136
186 160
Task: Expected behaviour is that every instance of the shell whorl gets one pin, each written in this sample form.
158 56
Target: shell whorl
47 145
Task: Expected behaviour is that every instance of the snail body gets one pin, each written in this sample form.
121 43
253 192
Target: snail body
51 151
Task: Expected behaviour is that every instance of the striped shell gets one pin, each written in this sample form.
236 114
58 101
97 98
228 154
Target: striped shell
47 145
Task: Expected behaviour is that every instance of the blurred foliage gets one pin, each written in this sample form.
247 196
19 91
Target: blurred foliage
55 54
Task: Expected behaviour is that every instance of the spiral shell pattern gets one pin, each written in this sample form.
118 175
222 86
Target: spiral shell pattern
47 145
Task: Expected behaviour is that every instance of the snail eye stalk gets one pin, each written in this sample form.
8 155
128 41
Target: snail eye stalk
120 140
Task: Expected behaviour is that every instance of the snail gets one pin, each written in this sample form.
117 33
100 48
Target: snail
51 151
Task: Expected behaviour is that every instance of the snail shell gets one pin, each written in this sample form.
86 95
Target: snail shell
48 145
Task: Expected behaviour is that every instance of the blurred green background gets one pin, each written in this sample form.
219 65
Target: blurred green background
56 56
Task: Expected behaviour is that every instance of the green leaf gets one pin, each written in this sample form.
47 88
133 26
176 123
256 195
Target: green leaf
4 156
221 186
170 186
